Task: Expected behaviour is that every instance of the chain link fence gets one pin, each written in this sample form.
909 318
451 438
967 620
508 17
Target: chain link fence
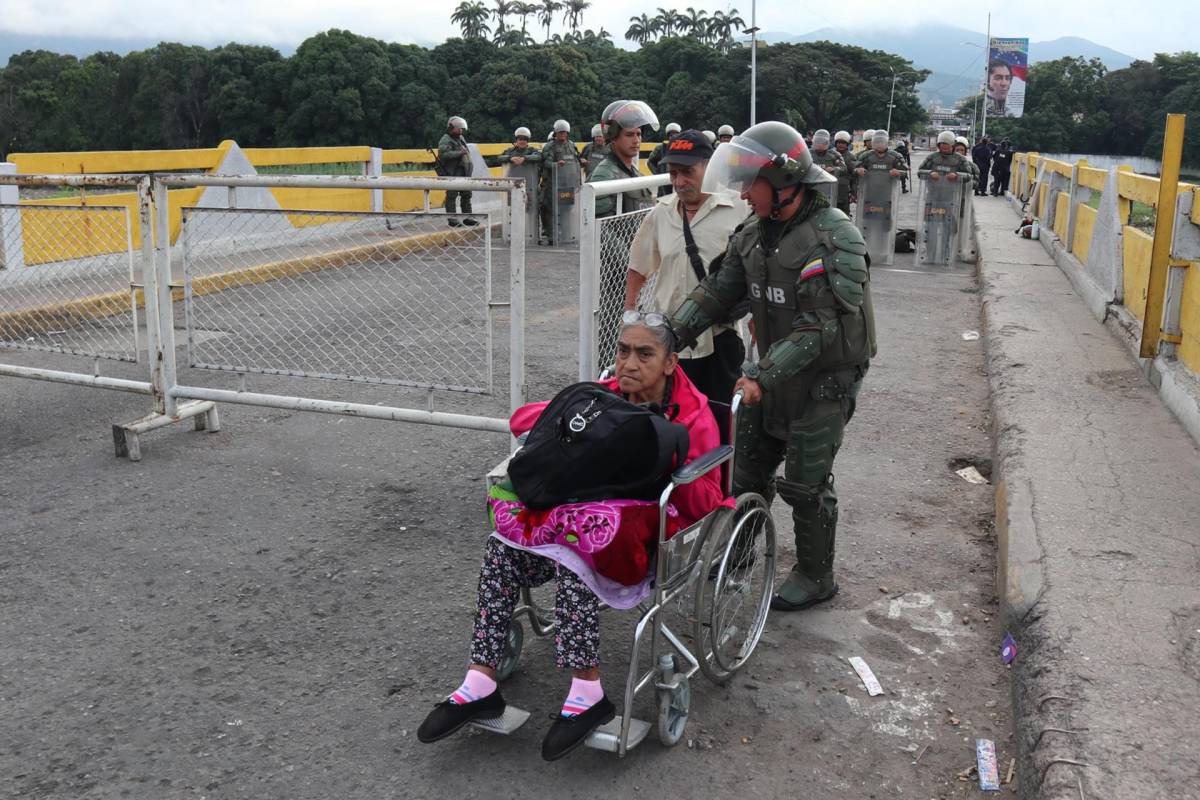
67 278
616 235
378 298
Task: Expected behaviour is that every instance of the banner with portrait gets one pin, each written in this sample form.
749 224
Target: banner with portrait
1007 71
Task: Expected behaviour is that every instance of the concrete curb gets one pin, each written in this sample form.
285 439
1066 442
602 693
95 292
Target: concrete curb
1020 582
19 324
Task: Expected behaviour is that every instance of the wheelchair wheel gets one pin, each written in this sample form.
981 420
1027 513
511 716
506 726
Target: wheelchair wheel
736 580
673 707
514 640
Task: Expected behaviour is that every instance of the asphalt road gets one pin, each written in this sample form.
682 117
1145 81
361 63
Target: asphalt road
269 611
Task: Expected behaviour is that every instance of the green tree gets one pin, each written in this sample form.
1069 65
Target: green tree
546 11
641 29
336 90
472 18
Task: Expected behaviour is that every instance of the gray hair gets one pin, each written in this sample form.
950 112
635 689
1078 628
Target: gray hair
662 333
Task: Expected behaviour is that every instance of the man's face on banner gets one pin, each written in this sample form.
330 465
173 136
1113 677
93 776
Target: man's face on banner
999 81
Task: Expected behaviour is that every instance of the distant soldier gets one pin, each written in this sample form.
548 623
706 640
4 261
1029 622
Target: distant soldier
712 137
555 153
454 160
725 133
902 149
945 160
847 183
981 154
521 152
960 146
1001 168
595 150
832 162
660 150
880 154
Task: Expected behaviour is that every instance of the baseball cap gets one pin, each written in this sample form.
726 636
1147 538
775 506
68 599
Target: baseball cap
688 148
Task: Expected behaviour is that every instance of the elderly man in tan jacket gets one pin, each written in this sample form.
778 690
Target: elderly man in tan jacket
674 248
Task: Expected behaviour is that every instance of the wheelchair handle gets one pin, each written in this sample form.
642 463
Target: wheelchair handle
734 408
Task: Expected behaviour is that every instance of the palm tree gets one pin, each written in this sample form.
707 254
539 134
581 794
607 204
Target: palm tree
472 18
523 10
546 12
669 20
575 9
596 37
641 29
502 10
696 22
513 38
722 27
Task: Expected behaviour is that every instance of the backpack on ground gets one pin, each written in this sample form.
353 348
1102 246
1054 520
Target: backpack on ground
590 443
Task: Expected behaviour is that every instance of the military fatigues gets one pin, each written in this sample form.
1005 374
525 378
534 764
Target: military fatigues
943 162
592 155
809 290
531 171
614 248
848 183
891 159
840 169
553 152
455 159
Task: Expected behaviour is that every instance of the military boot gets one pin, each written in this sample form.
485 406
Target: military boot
814 514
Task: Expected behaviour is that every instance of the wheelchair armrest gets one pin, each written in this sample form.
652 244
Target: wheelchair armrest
694 469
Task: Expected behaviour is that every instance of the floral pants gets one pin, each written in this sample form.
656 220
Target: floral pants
505 570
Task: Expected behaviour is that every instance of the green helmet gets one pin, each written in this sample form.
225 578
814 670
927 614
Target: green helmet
771 150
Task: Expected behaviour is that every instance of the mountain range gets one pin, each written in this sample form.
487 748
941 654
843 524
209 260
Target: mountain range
953 54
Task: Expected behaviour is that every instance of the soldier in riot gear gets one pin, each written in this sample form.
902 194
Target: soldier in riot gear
962 147
804 268
556 153
454 159
832 162
623 121
521 152
848 182
522 160
944 161
595 150
725 133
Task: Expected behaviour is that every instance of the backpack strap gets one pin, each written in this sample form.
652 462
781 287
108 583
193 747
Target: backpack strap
673 442
689 244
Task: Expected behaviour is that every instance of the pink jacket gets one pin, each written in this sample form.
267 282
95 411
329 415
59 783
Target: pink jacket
695 500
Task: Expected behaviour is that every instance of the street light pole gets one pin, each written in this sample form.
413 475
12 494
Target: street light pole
892 96
753 31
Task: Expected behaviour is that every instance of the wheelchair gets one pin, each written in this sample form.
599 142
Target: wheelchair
720 572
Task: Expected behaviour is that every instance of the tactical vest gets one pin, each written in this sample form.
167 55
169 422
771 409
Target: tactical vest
841 292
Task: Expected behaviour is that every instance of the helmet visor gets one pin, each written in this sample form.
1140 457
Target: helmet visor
633 114
735 165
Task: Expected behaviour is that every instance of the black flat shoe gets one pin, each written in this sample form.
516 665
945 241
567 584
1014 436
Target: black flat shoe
453 222
447 718
567 733
470 221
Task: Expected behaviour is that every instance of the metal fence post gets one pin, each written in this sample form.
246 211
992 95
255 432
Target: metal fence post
12 245
163 319
374 169
516 297
589 252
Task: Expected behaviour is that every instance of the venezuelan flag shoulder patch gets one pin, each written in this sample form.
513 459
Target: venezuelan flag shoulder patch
814 267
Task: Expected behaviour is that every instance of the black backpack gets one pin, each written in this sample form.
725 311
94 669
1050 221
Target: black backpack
592 444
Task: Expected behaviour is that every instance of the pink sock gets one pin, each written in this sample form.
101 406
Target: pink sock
475 686
583 695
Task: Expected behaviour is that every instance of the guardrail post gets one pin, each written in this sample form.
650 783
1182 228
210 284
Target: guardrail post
12 245
588 255
1079 194
1185 249
374 169
1164 227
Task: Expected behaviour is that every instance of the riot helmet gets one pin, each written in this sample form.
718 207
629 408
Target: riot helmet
771 150
673 129
627 114
842 136
521 132
879 137
457 122
947 138
820 140
597 131
562 126
712 137
725 133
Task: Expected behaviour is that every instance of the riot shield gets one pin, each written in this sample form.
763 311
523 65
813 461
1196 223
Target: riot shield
938 205
564 213
877 212
830 191
966 224
530 172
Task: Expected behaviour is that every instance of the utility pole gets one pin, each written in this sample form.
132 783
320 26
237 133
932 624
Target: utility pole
753 31
987 60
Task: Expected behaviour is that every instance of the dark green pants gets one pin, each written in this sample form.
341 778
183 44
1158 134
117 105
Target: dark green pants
813 440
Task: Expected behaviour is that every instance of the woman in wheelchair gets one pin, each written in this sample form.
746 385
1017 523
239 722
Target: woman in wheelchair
591 563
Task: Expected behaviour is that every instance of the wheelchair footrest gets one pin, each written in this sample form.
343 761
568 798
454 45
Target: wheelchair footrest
506 723
608 736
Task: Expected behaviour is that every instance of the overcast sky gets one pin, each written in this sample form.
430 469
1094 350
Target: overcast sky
1140 32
